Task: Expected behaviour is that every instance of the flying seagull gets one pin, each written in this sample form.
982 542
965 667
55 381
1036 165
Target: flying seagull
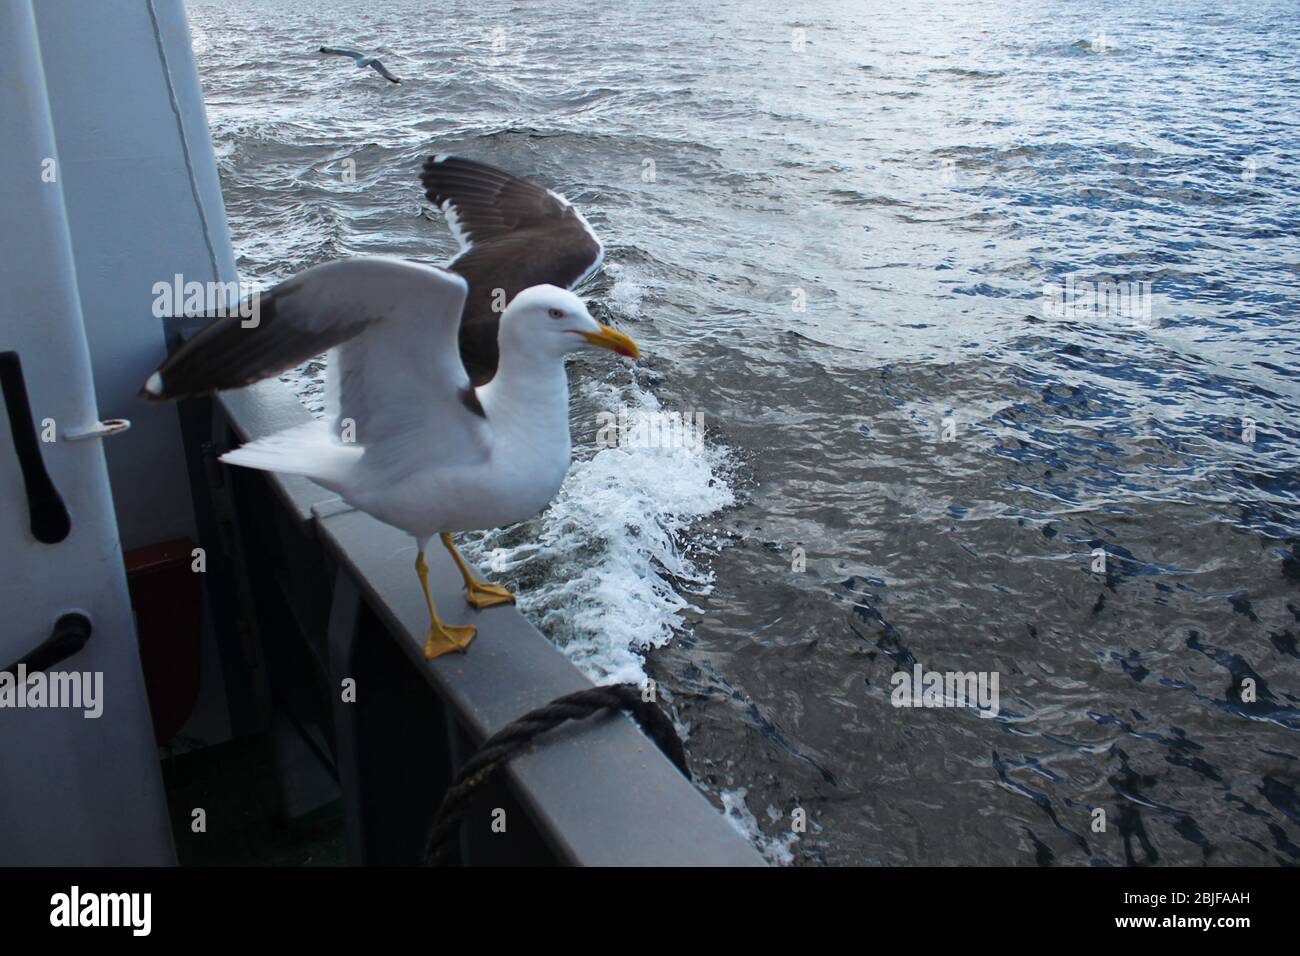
513 234
364 61
408 438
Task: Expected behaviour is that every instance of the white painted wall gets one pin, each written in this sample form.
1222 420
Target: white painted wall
72 790
137 216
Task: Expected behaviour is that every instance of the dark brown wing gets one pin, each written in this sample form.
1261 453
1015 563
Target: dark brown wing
513 235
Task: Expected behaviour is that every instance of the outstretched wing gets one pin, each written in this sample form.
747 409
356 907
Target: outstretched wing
340 52
396 370
513 234
383 71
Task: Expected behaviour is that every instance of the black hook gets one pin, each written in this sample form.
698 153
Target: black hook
49 516
70 634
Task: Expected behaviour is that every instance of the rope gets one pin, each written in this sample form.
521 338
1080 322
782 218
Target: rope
518 735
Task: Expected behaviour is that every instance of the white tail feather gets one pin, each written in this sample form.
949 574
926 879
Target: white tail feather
310 450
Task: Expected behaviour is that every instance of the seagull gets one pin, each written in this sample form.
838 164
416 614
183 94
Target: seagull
408 437
364 61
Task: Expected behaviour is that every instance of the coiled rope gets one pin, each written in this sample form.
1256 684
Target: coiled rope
518 735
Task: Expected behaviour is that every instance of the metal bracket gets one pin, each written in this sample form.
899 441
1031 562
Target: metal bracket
110 426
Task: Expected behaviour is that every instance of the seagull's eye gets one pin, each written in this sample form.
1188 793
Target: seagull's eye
555 313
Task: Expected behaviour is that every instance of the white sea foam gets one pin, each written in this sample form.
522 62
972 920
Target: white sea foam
614 548
777 848
628 291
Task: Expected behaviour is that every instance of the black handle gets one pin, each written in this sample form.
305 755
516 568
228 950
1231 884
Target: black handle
70 634
49 516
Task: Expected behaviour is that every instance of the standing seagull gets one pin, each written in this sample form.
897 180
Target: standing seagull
407 437
364 61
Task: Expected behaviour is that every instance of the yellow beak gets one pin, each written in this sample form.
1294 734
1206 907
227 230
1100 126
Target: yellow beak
617 342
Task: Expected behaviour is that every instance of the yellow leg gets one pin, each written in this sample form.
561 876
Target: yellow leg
443 638
479 594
